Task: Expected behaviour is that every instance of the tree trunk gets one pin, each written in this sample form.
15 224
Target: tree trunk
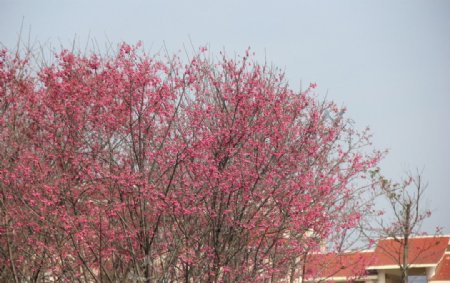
406 244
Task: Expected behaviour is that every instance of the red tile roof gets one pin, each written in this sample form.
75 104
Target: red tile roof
348 265
443 269
354 265
422 250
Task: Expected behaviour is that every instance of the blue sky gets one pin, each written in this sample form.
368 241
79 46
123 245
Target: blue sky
387 61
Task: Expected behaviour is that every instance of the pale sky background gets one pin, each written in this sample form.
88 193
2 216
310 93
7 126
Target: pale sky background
387 61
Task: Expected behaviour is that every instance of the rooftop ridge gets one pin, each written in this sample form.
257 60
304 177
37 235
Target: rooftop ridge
418 237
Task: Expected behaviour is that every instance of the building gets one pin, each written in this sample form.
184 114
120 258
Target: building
428 261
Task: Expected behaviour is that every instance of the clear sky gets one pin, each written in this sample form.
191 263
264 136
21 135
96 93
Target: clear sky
387 61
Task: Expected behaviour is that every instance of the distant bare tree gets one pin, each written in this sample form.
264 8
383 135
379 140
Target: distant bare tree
405 208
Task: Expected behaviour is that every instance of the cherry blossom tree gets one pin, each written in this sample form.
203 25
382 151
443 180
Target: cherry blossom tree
144 168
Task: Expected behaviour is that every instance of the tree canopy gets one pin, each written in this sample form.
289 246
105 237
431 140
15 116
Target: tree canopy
137 167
